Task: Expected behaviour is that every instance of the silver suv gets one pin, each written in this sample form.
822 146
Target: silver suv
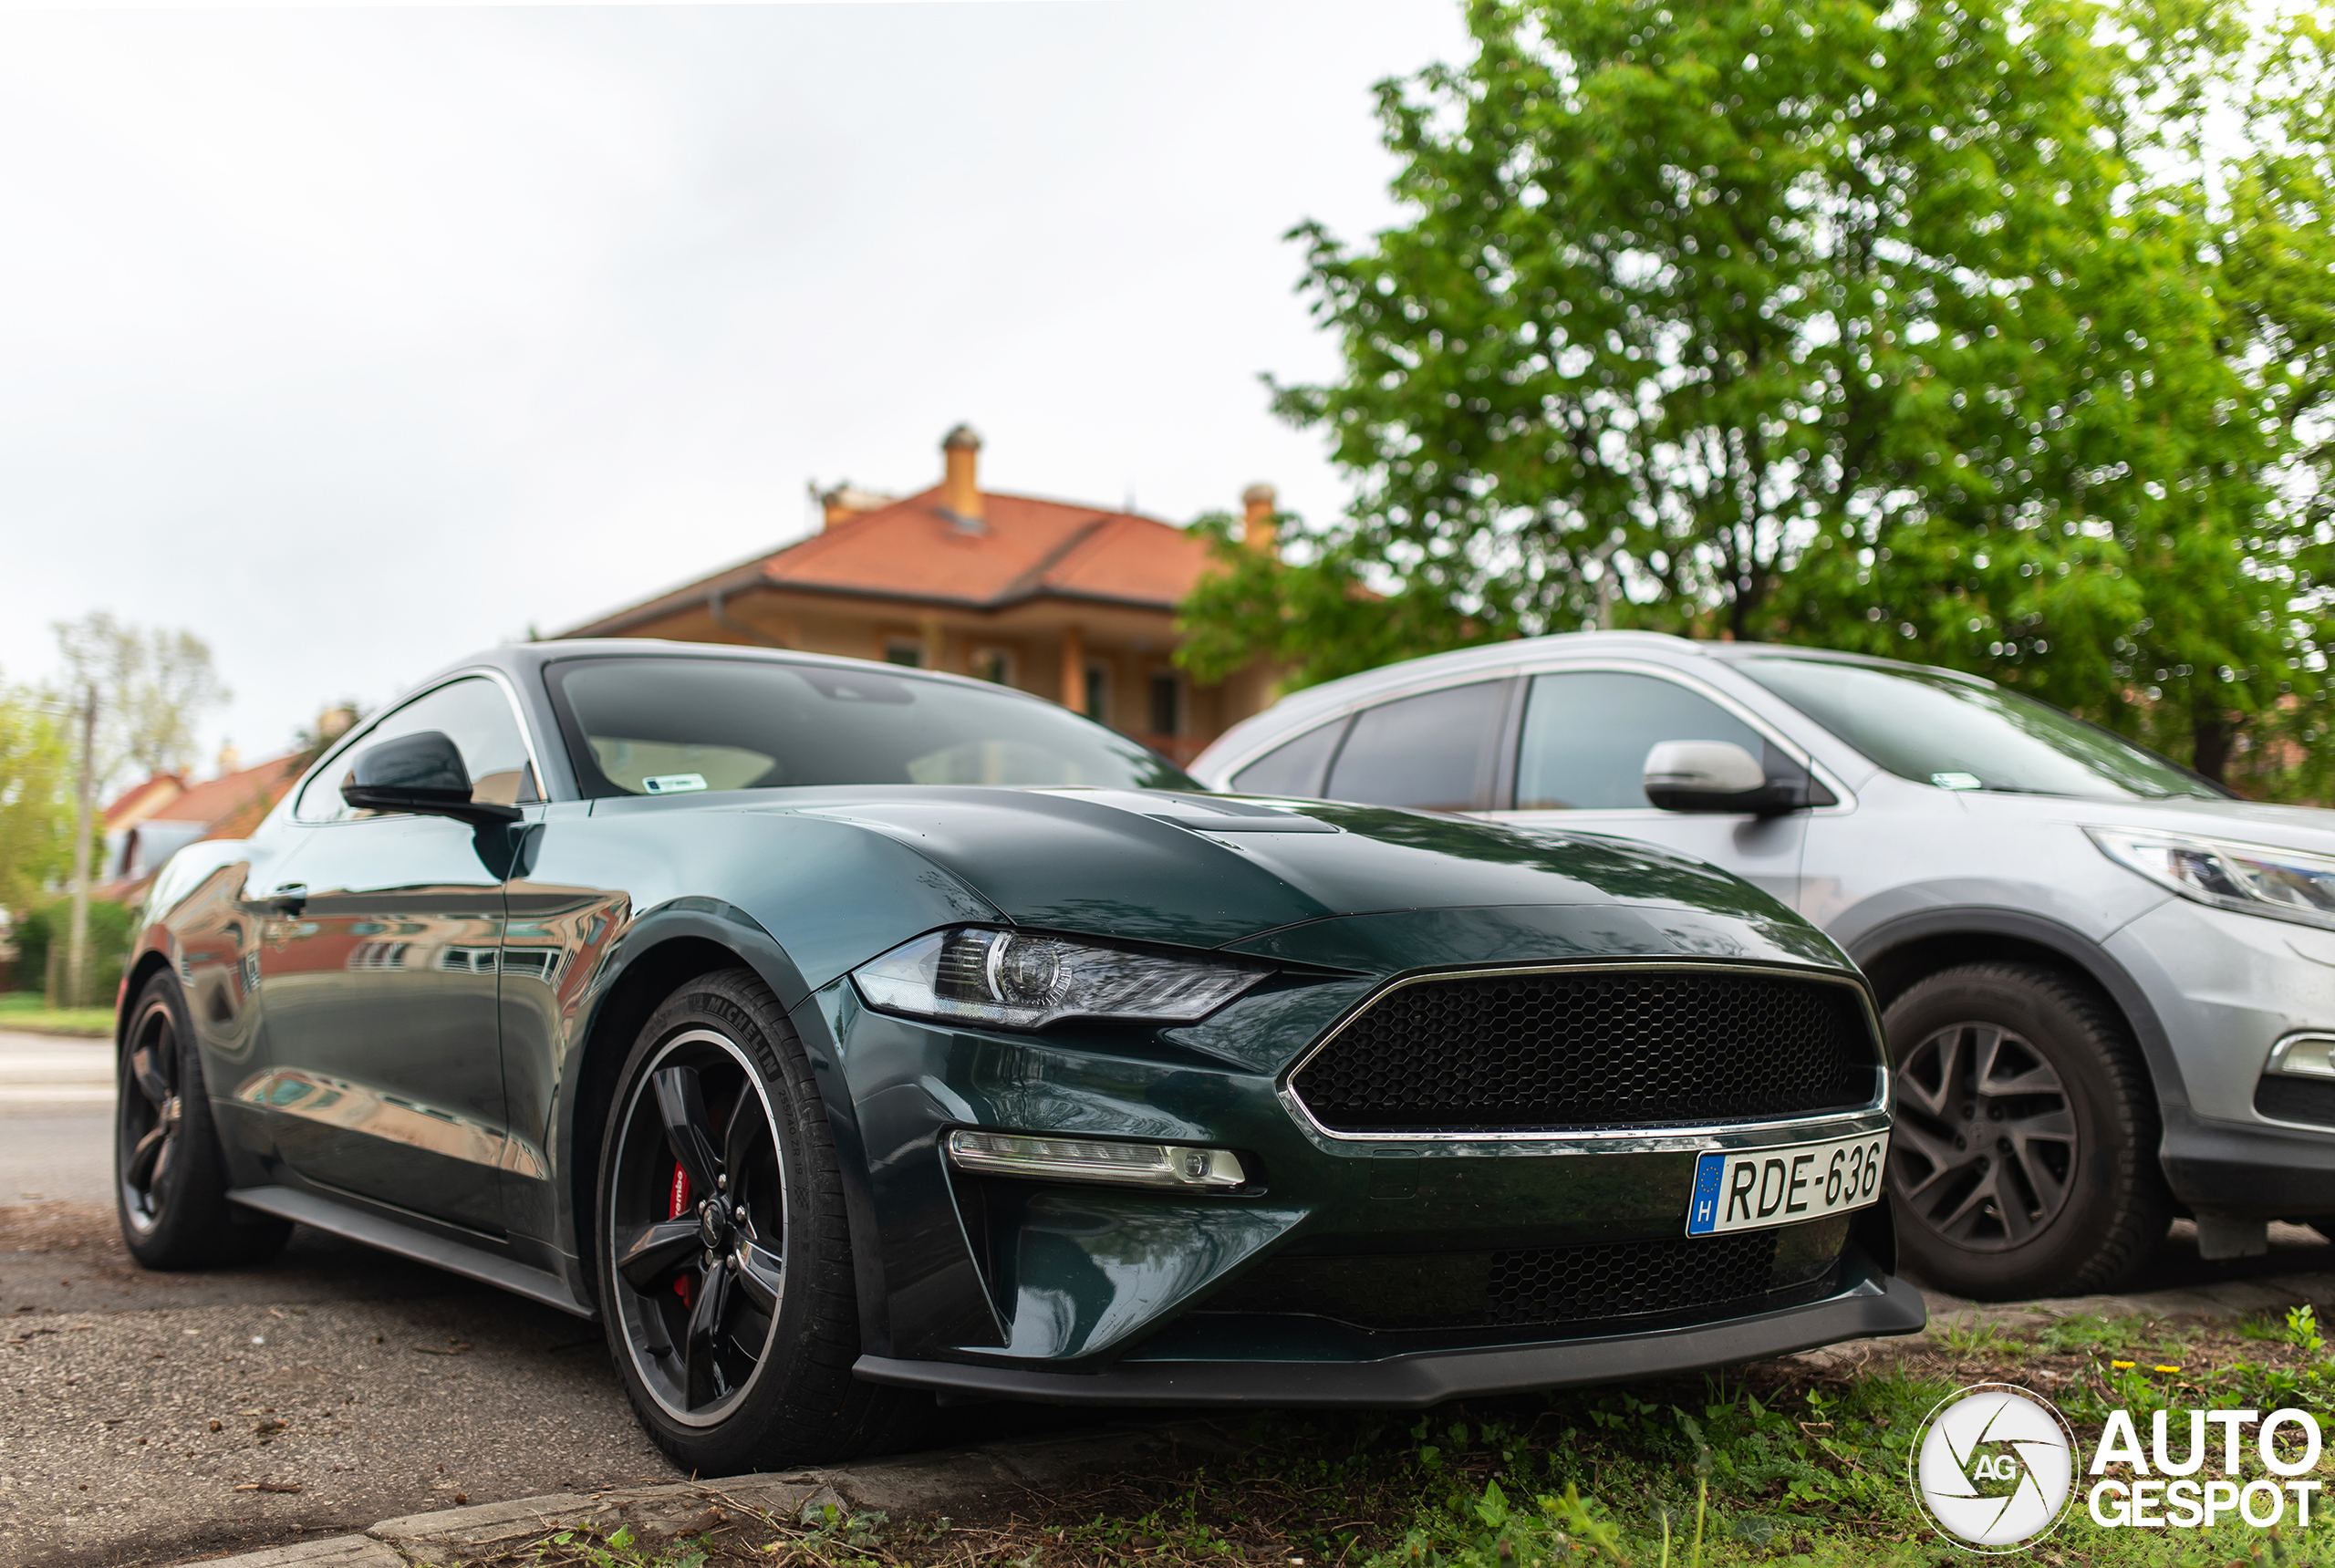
2111 985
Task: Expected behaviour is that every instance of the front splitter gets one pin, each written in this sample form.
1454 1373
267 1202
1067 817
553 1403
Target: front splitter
1429 1377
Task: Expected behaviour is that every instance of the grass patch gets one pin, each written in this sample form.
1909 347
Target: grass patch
1778 1462
30 1009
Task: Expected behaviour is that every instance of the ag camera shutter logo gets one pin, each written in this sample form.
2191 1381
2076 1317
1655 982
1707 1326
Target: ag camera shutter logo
1993 1467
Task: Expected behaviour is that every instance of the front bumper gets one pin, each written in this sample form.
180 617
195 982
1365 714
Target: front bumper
1365 1268
2252 1172
1875 1304
2226 988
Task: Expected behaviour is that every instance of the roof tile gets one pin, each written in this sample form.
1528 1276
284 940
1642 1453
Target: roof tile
1023 546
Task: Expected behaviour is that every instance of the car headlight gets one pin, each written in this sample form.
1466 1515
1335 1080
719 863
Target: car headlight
1023 980
2253 878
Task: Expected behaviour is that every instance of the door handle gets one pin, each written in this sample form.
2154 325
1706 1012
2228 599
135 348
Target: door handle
290 898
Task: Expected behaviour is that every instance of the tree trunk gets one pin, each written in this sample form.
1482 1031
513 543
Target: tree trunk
2211 735
77 962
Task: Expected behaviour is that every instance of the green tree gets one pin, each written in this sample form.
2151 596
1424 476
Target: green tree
129 699
1892 327
35 800
2276 244
48 926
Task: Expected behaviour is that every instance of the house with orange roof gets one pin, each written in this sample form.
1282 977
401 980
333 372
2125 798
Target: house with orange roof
160 814
1071 602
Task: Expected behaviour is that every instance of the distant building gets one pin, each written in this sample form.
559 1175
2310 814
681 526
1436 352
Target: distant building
1071 602
159 816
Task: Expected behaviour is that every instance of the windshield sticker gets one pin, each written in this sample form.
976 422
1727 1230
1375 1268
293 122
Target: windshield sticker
673 784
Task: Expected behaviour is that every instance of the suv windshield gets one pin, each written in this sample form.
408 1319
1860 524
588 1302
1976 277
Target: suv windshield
1965 734
677 726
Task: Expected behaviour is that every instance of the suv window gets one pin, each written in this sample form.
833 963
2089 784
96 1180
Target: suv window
1293 767
1959 733
475 713
1432 751
1586 734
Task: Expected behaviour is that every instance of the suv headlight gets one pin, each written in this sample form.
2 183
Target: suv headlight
2253 878
1023 982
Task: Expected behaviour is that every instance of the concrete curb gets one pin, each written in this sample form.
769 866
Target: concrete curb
922 1484
2228 1299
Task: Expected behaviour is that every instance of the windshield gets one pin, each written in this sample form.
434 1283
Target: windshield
1960 735
679 726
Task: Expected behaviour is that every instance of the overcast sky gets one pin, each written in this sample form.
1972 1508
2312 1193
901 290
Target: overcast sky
353 340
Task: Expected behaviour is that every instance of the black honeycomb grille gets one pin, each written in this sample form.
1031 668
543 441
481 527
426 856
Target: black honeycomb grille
1672 1279
1606 1048
1622 1279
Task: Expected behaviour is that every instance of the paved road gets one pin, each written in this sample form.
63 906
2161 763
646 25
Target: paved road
56 1105
398 1387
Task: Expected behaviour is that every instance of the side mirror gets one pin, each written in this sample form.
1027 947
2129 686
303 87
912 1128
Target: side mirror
1715 777
422 774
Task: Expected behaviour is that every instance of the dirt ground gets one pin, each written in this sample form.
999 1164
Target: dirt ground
146 1417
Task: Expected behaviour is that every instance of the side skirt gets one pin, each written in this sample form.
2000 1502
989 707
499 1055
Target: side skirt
407 1242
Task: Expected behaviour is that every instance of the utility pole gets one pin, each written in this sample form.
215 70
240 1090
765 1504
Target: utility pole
76 960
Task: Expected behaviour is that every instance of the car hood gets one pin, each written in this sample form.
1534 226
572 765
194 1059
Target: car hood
2301 827
1206 872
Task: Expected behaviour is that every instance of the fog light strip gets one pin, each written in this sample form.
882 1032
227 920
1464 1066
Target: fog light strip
1089 1160
2303 1056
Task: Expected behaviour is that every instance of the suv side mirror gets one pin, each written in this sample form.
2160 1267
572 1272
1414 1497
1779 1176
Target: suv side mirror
421 772
1715 777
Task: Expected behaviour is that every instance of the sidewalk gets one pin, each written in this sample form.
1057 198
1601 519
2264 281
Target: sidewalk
56 1119
55 1070
967 1482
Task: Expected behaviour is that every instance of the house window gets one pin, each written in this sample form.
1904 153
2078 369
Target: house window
992 664
1098 690
1166 703
904 650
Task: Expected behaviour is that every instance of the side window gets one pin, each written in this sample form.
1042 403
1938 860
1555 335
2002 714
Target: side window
474 715
1432 751
1293 767
1586 736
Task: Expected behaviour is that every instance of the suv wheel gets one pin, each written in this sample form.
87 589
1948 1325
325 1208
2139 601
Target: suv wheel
723 1255
2023 1161
170 1177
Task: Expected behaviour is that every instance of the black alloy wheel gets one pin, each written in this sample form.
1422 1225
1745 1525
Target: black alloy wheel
697 1226
722 1253
169 1175
150 1114
2022 1160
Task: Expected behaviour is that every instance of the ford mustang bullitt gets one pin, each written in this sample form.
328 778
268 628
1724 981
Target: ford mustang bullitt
840 1035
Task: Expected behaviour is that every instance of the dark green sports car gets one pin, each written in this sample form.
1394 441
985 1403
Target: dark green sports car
840 1035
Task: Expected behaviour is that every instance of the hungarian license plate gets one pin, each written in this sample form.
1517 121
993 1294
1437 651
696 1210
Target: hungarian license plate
1750 1189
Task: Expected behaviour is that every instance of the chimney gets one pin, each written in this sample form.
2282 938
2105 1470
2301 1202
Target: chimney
230 761
847 501
1257 529
961 493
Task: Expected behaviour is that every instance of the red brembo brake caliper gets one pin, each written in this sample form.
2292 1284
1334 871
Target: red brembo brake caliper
680 1206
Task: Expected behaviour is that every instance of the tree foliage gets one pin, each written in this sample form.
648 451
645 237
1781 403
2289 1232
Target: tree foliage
149 686
45 927
35 800
1915 328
